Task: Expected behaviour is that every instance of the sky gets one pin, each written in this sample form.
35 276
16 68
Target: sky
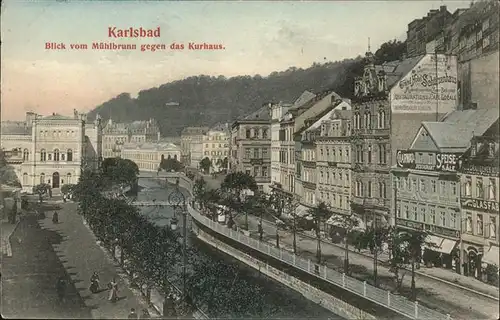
258 37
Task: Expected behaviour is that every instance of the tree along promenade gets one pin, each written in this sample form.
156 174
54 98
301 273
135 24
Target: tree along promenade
384 298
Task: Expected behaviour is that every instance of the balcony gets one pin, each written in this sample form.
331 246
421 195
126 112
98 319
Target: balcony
309 164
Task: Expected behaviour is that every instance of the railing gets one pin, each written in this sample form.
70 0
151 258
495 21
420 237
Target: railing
381 297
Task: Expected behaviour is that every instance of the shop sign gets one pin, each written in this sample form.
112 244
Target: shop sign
431 86
481 170
483 205
445 162
410 224
405 159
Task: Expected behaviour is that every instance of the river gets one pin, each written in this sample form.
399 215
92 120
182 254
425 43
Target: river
279 301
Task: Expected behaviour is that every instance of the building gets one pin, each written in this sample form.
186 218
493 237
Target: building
250 147
421 31
148 156
391 101
427 179
115 135
192 145
216 146
278 110
51 149
479 178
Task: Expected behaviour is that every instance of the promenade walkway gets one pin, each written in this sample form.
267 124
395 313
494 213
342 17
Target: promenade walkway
445 298
42 252
440 275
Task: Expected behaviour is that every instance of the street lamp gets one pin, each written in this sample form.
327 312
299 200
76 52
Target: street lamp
178 202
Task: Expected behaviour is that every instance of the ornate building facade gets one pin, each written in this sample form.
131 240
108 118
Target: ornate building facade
250 147
192 145
115 135
216 146
148 156
428 192
51 149
391 101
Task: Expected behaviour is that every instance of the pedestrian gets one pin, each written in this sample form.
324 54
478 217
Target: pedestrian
55 217
261 231
61 288
132 314
113 290
145 314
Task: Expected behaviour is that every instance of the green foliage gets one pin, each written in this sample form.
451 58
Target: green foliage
171 164
235 182
150 248
7 173
205 164
199 188
67 188
120 171
206 100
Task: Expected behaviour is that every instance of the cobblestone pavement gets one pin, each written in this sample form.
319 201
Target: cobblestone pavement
448 299
68 249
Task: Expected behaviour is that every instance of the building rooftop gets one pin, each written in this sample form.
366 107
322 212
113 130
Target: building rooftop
151 146
458 127
56 116
15 128
395 70
304 98
194 130
261 114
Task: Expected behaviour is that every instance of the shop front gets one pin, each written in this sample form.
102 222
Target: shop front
438 252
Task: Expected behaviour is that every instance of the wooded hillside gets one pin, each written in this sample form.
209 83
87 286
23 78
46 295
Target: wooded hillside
205 100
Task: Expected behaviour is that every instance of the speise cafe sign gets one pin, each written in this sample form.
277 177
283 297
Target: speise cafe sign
447 162
484 205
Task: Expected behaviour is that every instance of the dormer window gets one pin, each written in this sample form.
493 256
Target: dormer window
473 149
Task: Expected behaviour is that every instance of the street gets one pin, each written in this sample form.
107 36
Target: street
448 299
42 252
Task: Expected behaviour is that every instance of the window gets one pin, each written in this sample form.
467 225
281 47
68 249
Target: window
407 212
43 155
479 224
264 133
468 223
26 154
492 189
454 188
247 172
479 188
486 24
25 178
347 154
247 153
414 184
42 177
328 177
248 134
255 171
433 186
321 177
334 157
381 187
359 188
381 154
442 187
433 215
369 189
256 153
468 186
340 154
62 156
486 41
369 154
493 227
422 185
398 210
422 214
443 218
68 178
264 152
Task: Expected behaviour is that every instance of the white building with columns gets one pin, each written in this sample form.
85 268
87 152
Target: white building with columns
51 149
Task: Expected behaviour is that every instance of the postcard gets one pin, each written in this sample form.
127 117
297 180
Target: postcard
250 159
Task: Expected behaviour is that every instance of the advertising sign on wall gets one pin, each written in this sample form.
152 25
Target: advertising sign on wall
444 162
429 86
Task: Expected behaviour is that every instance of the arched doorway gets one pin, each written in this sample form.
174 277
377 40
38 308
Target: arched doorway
473 265
55 180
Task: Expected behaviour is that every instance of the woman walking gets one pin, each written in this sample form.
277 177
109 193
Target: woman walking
113 290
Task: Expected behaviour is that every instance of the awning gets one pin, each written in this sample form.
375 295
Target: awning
492 256
439 244
302 211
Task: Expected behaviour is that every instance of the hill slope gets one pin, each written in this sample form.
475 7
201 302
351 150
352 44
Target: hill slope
205 100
